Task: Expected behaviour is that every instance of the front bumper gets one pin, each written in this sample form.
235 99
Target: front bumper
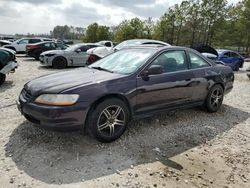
44 60
54 117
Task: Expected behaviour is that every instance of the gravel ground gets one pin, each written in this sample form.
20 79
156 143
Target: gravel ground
189 148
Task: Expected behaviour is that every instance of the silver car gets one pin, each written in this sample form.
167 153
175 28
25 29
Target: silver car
75 55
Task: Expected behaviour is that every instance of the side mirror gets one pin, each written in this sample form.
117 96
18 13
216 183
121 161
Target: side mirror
155 69
78 50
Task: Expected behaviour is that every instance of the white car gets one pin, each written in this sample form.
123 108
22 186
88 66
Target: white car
73 56
20 45
100 52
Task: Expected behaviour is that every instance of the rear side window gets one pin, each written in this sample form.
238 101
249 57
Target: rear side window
171 61
47 45
197 62
24 41
108 44
232 54
32 41
86 48
227 54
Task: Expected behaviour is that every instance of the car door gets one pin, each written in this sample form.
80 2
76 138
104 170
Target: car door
171 88
204 74
236 59
79 56
21 45
226 58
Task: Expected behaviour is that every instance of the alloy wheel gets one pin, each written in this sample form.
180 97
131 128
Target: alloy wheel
111 120
216 98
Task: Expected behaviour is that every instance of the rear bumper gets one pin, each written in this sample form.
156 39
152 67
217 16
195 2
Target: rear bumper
10 67
54 117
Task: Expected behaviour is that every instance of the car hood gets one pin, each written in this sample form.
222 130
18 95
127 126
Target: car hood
101 51
53 52
58 82
203 48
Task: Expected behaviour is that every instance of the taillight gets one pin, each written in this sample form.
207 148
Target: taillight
29 47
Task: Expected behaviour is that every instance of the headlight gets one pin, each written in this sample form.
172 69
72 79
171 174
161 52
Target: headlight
57 99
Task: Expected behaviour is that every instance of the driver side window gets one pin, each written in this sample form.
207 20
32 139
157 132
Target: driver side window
24 41
171 61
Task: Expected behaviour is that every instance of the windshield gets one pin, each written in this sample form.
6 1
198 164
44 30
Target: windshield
125 61
73 48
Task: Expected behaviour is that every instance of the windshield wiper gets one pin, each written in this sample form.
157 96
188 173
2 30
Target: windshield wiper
102 69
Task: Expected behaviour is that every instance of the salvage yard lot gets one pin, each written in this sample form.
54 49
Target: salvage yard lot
189 148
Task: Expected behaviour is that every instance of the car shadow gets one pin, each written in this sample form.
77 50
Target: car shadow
6 85
64 158
29 59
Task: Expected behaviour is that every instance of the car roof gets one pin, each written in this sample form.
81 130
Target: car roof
158 47
148 40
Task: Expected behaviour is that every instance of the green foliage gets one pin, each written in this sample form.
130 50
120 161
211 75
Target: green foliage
67 32
95 33
212 22
130 29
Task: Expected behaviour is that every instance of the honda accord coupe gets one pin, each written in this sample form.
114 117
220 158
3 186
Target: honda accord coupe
131 83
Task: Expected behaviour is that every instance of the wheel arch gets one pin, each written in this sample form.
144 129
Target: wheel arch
105 97
60 56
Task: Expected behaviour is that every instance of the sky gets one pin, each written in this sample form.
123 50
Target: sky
40 16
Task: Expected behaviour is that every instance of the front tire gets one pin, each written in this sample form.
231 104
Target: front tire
108 121
2 78
59 63
214 99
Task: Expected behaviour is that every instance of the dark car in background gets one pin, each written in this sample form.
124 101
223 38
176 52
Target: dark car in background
35 50
135 82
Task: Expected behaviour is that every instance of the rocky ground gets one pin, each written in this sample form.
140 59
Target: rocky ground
189 148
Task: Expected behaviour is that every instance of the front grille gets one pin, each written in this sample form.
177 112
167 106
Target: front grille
26 94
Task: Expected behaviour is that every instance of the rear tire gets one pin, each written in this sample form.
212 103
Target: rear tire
2 78
108 121
237 67
214 99
59 63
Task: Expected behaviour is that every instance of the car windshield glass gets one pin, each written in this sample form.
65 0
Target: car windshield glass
128 43
125 61
73 48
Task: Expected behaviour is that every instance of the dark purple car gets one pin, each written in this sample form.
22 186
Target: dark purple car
131 83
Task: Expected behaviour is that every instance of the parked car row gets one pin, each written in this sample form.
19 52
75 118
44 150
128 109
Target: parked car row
134 79
19 46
